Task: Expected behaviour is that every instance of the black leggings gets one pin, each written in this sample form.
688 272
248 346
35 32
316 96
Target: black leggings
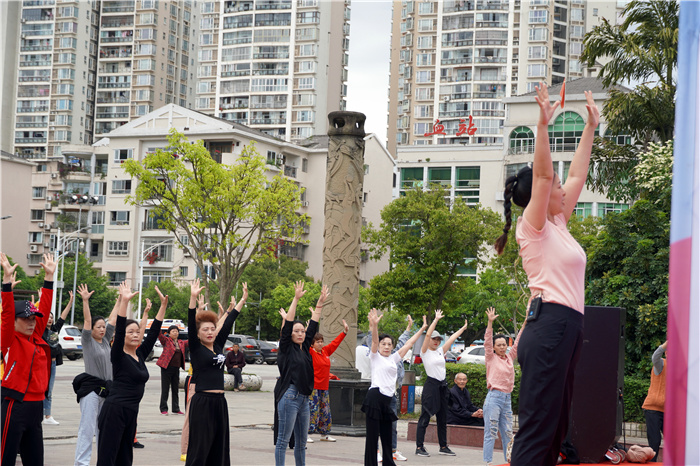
548 352
21 431
169 381
377 429
209 430
115 444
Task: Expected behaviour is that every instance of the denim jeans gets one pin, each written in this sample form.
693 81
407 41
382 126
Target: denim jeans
47 400
293 416
498 416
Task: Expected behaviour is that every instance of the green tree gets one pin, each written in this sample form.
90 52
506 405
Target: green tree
178 299
628 267
431 244
101 302
231 214
644 47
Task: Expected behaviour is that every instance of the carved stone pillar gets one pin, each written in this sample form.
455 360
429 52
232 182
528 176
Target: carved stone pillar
341 238
341 265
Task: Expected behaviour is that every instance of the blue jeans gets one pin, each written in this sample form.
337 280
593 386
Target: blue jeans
47 400
293 416
498 416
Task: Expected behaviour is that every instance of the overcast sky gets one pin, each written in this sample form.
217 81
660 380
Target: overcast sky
368 69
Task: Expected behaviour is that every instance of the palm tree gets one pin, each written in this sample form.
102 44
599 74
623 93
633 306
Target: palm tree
644 47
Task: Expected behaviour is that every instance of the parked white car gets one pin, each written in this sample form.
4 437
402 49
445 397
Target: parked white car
473 354
71 342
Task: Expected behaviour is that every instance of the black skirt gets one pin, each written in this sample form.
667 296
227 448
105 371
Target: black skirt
378 406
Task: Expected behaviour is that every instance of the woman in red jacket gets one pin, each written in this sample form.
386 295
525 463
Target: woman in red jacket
319 403
27 359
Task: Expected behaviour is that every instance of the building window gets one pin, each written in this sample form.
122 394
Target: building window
119 217
184 271
271 157
538 34
35 236
583 209
38 192
467 184
117 248
522 140
538 16
304 165
536 71
565 133
441 176
121 187
37 215
605 208
411 177
115 278
121 155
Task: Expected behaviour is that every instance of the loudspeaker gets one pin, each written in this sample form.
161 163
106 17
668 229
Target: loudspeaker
596 409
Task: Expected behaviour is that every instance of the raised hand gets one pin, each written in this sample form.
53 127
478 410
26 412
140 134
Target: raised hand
49 266
195 289
245 291
84 293
466 324
8 269
410 323
491 314
232 304
425 322
200 303
16 282
546 108
324 295
148 306
593 112
70 297
125 292
438 315
283 313
299 290
373 318
160 295
221 308
345 327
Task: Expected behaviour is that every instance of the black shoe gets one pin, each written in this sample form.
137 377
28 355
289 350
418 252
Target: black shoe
420 451
138 445
447 451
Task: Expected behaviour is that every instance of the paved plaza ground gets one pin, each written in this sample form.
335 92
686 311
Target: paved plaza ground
251 416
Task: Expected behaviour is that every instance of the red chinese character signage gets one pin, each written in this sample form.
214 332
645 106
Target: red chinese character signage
470 129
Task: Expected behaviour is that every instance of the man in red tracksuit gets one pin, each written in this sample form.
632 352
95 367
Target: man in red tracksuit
27 360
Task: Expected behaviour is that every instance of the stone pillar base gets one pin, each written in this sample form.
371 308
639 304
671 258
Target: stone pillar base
347 397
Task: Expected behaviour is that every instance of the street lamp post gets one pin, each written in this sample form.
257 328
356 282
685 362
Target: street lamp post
59 255
80 200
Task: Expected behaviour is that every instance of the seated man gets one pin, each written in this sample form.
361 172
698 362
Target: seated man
462 411
235 362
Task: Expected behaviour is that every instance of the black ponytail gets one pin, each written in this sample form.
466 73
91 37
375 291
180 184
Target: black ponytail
517 190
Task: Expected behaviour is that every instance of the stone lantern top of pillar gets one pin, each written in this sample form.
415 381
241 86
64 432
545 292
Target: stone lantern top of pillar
346 124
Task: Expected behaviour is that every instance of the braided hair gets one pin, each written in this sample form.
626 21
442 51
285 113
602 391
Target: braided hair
517 190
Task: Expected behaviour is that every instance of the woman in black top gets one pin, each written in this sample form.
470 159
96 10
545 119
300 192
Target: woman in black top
117 420
209 430
50 336
296 381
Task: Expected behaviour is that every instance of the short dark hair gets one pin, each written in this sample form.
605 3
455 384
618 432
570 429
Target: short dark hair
386 335
318 337
129 322
96 319
498 336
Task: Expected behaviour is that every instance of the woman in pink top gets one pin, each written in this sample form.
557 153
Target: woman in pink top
500 378
555 265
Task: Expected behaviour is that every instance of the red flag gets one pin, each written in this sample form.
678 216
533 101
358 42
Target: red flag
562 94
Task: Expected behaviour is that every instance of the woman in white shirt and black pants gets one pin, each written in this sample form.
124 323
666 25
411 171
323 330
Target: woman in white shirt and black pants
377 405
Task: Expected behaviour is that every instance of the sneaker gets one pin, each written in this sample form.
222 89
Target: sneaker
309 440
420 451
379 457
138 445
179 412
327 438
183 457
50 421
164 413
447 451
399 457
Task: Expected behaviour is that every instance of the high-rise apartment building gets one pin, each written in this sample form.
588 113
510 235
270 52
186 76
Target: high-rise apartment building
147 59
55 76
456 60
279 66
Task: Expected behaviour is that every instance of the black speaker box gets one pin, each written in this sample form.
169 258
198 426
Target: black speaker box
596 409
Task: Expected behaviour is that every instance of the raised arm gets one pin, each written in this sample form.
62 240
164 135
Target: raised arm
126 295
163 305
225 328
488 336
448 344
373 327
657 358
144 319
433 324
112 319
8 304
316 313
332 346
542 171
85 295
195 290
66 310
299 291
578 172
411 341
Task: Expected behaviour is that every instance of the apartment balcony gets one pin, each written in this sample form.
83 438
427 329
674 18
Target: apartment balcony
38 2
455 61
490 59
489 95
488 113
273 56
32 79
270 72
124 23
38 124
125 53
31 153
457 96
454 114
491 24
273 23
492 6
30 140
458 43
107 40
290 171
76 175
127 7
36 48
42 62
268 121
41 108
235 73
111 115
108 85
274 6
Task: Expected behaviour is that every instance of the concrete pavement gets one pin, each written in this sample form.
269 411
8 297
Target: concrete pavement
251 416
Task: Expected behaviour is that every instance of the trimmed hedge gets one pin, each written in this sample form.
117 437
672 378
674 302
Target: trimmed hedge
635 390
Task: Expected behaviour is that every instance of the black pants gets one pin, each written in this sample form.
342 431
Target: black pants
21 431
237 377
115 444
440 394
548 352
378 425
469 421
169 380
655 427
209 430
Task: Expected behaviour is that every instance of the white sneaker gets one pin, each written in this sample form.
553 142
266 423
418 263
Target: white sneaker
50 421
327 438
399 457
379 457
309 440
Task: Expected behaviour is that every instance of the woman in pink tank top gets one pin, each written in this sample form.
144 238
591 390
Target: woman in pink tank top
555 265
